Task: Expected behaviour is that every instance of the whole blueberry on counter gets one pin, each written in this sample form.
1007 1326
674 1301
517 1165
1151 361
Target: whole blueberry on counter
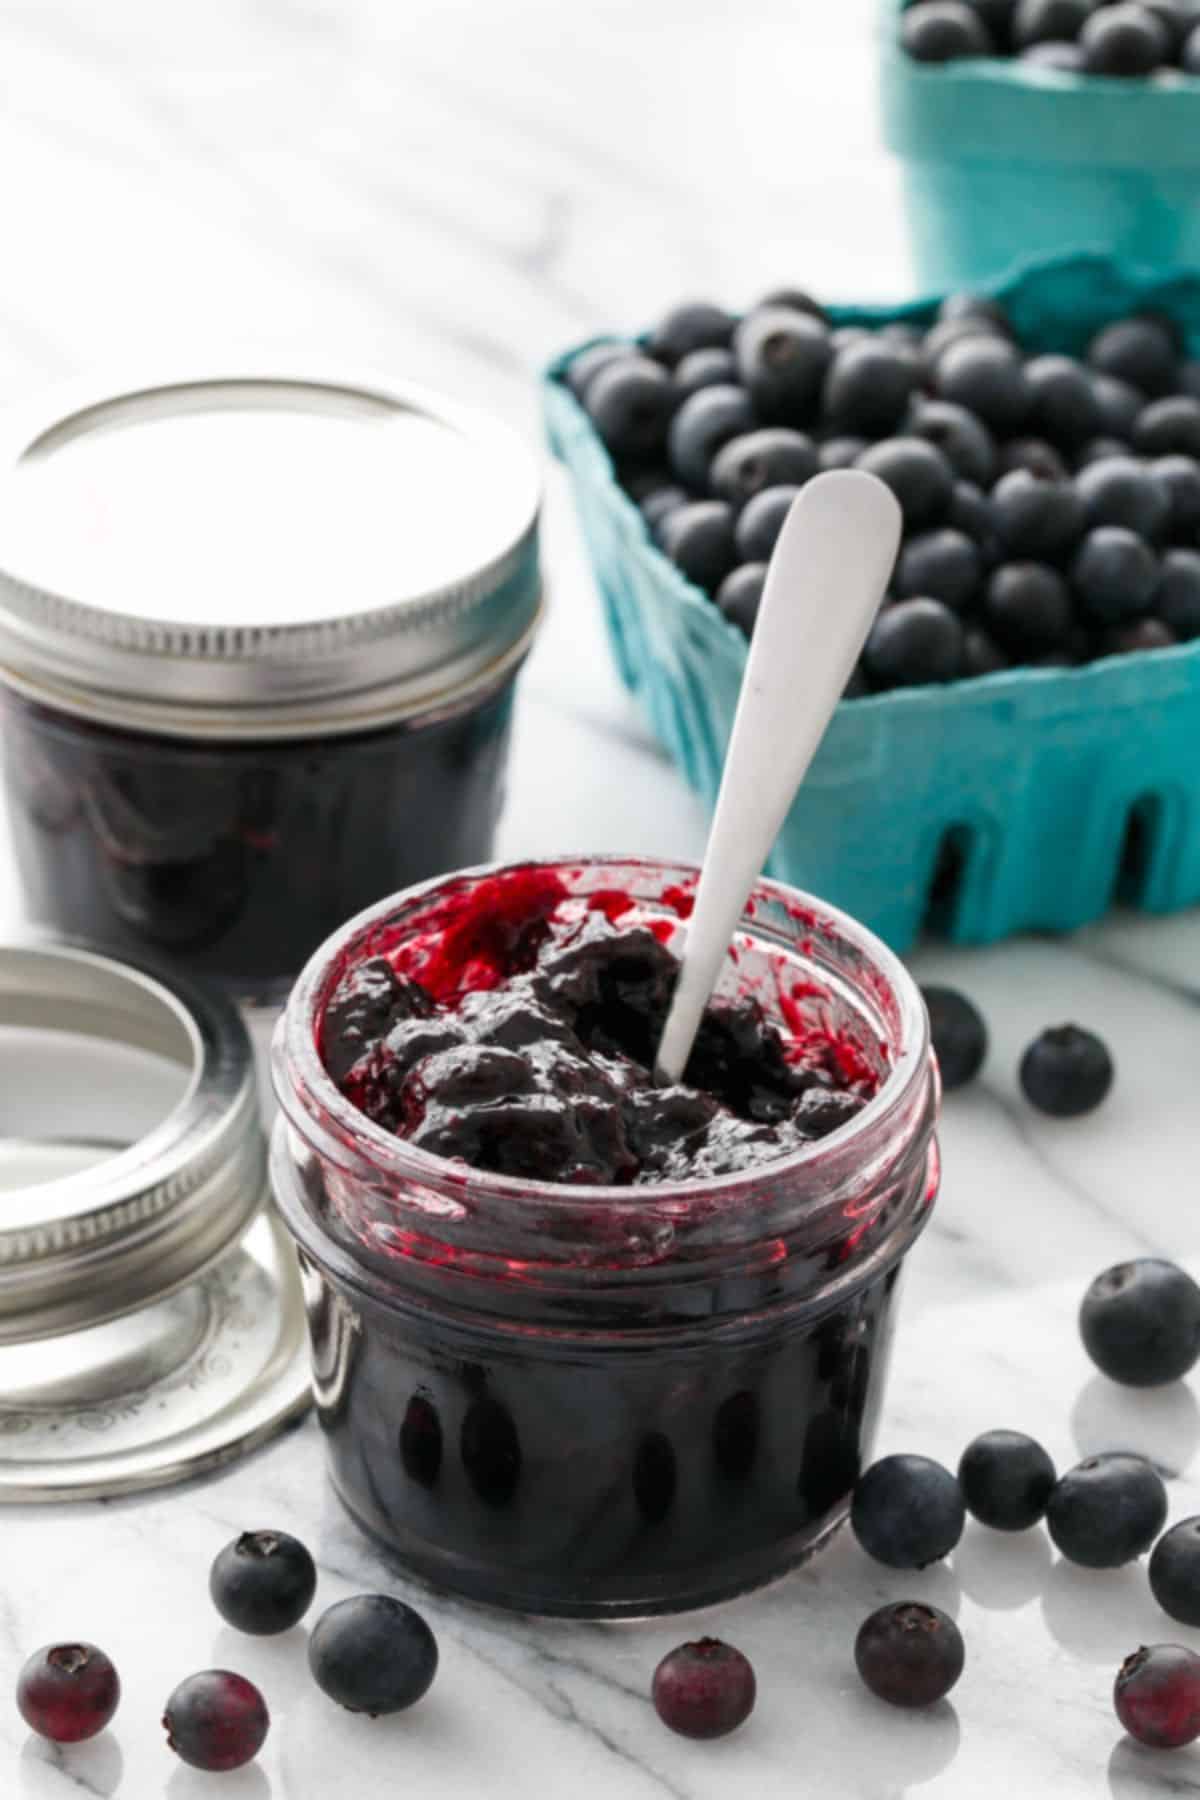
937 31
783 357
913 643
699 540
1156 1696
770 457
1140 1322
216 1720
373 1654
1066 1072
740 595
960 1037
701 426
68 1692
1006 1480
869 386
1175 1572
704 1689
917 473
909 1654
1107 1511
693 325
907 1511
630 402
263 1582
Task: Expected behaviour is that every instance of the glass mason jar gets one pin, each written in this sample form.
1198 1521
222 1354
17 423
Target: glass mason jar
258 643
610 1402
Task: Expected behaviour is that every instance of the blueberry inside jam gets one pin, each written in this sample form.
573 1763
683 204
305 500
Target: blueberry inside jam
519 1038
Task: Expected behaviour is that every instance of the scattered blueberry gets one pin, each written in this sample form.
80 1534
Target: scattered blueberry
907 1512
704 368
909 1654
630 402
740 595
373 1654
1107 1511
1066 1072
917 473
263 1582
704 1690
1114 575
216 1720
1027 609
967 445
1157 1696
783 357
914 642
696 325
1175 1572
944 565
700 428
1140 1322
1123 40
1006 1480
986 375
960 1037
938 31
869 386
1140 351
1177 600
762 459
1120 491
1035 517
699 540
68 1692
761 521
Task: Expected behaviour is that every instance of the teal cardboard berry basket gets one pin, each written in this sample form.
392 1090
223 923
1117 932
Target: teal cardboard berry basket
1019 801
1006 162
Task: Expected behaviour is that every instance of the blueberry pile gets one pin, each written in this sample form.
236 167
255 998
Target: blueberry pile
1121 38
1051 503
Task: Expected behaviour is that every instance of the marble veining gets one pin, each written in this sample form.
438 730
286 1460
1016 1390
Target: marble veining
454 191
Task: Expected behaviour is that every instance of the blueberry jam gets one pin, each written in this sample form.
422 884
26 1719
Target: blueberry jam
582 1345
527 1050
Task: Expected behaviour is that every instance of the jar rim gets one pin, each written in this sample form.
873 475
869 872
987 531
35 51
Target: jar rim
303 1084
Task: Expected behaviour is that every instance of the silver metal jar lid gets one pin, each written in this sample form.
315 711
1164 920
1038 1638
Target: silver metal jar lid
151 1321
252 555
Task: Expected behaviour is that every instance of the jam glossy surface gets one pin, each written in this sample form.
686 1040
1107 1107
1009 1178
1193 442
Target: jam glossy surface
517 1033
236 859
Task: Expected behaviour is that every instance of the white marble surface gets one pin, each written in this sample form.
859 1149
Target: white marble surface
454 190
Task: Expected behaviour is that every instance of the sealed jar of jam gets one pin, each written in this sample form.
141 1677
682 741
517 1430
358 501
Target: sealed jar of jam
585 1345
258 641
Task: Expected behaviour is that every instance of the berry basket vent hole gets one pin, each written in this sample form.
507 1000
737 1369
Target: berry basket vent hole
1139 848
945 891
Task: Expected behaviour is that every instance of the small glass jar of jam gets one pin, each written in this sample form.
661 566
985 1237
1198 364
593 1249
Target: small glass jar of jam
258 641
586 1398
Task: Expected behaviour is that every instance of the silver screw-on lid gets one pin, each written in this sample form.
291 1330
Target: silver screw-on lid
253 555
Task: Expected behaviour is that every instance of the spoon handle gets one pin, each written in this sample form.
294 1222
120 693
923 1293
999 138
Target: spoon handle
827 576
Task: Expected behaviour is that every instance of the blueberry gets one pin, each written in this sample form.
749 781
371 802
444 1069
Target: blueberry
1189 56
1006 1480
1141 351
373 1654
857 686
704 1690
980 307
783 357
903 332
1177 601
907 1512
971 511
1121 491
1169 427
1124 40
997 15
216 1721
1134 638
944 564
841 452
702 369
966 444
68 1692
1140 1322
1179 478
1027 608
761 459
263 1582
1119 404
960 1037
701 427
1067 58
869 386
912 643
1046 21
948 333
658 505
1175 1572
630 403
986 375
1036 518
981 654
1035 456
794 300
740 595
1064 404
696 325
1101 449
938 31
1176 18
1066 1072
917 473
842 336
1114 575
761 521
909 1654
699 540
583 368
1107 1511
1156 1696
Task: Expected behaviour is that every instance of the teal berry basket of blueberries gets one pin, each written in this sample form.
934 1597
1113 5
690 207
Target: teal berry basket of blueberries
1027 798
1014 149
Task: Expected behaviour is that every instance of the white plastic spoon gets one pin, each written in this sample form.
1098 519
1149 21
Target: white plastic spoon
828 574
